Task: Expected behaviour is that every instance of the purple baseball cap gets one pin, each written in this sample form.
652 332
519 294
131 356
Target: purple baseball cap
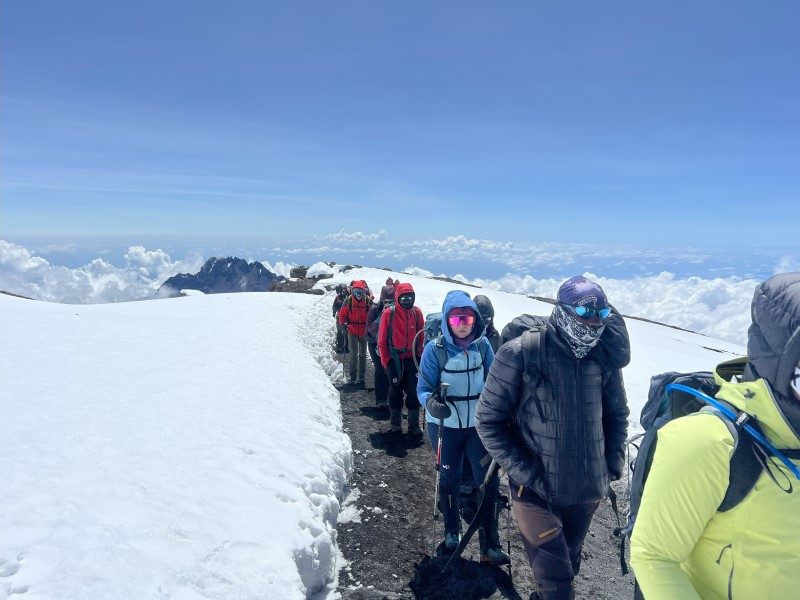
579 291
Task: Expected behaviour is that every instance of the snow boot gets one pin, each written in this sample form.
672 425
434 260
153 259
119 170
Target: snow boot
491 548
414 429
396 420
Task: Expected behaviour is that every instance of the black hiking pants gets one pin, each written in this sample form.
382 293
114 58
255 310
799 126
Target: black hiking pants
553 540
381 378
406 385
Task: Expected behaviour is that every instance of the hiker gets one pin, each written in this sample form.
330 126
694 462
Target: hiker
487 312
373 328
460 356
354 315
560 436
341 330
469 487
398 328
683 546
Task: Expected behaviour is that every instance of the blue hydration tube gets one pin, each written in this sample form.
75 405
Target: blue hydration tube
727 412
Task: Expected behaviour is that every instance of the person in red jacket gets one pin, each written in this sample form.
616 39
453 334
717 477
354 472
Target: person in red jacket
396 334
353 314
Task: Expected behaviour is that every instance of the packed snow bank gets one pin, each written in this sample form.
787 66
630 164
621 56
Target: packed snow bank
654 348
186 448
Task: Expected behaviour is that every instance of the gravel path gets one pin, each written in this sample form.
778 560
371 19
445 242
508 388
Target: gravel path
387 544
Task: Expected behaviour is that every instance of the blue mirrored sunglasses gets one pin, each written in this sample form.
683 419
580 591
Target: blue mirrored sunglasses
585 312
358 294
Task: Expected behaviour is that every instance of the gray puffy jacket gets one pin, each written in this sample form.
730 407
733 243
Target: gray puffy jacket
566 458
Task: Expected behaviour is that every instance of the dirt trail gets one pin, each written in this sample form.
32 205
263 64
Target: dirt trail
387 551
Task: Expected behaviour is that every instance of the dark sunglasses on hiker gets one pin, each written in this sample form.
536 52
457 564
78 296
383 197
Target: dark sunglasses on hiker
406 300
586 312
458 320
358 294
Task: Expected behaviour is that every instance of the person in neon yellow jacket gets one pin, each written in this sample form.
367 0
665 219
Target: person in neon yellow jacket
682 547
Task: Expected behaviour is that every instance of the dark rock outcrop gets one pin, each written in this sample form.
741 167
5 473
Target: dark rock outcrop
221 275
297 286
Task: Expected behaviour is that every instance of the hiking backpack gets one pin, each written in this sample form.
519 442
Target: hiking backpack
533 331
663 406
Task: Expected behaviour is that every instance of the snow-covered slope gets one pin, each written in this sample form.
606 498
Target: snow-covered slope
185 448
192 448
654 348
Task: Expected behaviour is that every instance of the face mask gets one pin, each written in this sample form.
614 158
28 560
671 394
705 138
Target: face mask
406 301
580 337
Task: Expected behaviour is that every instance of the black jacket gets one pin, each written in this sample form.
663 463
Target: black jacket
567 457
493 337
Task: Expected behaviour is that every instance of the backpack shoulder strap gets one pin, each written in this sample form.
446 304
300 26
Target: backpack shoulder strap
483 349
745 468
441 352
533 360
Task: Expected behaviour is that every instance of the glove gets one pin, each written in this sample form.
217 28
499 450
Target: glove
437 408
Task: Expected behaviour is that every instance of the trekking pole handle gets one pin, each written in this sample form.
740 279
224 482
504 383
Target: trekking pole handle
760 439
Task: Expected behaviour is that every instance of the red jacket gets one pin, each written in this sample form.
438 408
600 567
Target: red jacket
406 325
354 313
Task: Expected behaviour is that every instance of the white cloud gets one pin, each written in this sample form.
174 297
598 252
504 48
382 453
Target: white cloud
718 307
279 268
787 264
21 272
356 236
417 271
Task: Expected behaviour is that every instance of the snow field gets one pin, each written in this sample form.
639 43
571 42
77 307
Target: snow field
186 448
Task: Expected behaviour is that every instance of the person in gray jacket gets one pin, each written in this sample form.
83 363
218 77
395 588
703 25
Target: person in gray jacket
561 446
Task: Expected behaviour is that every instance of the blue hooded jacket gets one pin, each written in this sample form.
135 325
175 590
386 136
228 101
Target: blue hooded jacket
463 371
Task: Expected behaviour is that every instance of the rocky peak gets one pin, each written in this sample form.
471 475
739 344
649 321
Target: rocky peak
221 275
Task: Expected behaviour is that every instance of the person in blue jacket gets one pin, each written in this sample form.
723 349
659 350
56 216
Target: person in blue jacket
460 356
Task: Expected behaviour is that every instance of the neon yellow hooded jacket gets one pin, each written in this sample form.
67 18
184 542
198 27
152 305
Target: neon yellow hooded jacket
681 547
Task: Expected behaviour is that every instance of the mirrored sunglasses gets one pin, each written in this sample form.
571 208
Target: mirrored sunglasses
586 312
358 294
458 320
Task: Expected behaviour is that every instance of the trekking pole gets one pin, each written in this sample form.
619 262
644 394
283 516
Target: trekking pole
443 395
508 535
323 297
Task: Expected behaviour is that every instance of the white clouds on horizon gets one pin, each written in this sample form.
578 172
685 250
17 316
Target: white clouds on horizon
22 272
717 306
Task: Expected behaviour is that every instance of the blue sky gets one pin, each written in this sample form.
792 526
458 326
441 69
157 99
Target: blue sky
634 122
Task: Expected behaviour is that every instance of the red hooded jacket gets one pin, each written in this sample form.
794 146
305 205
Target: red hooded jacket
405 326
354 312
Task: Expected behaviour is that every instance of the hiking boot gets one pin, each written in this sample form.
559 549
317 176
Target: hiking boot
451 542
413 423
496 556
395 420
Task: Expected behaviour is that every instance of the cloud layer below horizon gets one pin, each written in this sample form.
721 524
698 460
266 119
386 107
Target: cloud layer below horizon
715 306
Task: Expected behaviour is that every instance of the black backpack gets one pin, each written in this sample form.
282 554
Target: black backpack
533 331
747 460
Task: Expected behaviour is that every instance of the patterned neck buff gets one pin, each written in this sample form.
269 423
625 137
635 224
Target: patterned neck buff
580 337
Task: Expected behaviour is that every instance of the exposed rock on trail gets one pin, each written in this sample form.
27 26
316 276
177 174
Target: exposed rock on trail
386 532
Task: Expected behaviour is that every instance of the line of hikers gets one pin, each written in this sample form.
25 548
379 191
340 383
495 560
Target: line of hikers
546 402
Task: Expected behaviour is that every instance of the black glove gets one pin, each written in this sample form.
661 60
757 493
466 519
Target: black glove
437 408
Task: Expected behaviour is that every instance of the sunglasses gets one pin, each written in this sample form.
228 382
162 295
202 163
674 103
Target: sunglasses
358 294
457 320
584 312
